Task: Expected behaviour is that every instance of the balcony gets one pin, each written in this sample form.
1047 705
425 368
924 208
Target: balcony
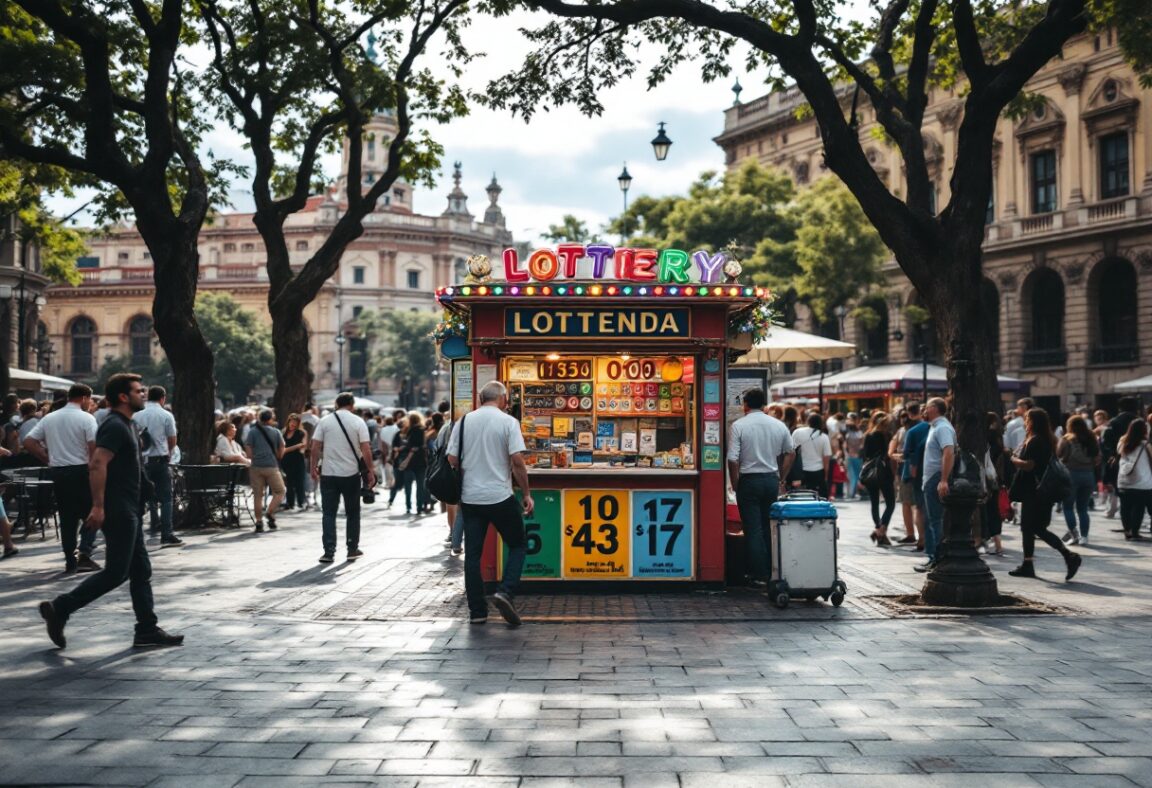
1071 219
1048 357
1116 354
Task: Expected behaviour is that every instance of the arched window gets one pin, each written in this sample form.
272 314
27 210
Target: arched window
1113 289
873 327
83 337
990 303
140 340
1043 299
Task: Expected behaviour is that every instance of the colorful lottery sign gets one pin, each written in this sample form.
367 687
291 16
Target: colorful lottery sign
662 534
596 534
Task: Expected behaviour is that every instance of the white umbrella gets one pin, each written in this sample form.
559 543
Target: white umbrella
784 345
361 403
44 382
1139 384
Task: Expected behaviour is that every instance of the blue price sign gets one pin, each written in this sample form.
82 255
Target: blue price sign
662 534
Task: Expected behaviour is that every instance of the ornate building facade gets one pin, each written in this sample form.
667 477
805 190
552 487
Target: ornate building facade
395 265
1068 245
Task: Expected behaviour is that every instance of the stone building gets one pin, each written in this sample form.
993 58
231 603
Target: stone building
1068 249
22 285
396 264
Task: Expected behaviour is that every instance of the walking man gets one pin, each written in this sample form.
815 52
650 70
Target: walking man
265 448
115 475
489 460
338 438
939 454
760 454
64 440
160 427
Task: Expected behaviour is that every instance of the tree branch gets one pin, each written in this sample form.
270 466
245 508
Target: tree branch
923 36
968 43
882 50
1043 42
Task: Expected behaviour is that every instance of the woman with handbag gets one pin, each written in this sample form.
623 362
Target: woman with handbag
992 515
1134 477
1031 462
876 476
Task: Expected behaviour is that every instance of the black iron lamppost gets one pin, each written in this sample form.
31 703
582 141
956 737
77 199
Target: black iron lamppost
340 340
661 143
625 181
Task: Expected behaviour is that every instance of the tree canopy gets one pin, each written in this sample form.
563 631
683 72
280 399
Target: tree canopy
241 343
570 230
400 344
22 190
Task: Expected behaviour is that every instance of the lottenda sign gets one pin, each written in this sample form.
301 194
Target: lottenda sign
671 266
654 322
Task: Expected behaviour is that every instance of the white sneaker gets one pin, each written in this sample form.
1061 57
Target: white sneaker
1083 540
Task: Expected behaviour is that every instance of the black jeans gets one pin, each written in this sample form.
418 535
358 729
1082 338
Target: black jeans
157 471
1035 517
125 558
509 523
332 489
755 494
815 480
1133 504
885 489
73 501
294 473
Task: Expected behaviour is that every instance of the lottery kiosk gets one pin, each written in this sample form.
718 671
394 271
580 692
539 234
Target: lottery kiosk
619 387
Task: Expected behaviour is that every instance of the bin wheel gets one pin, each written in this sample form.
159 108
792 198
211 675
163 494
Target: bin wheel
837 599
782 600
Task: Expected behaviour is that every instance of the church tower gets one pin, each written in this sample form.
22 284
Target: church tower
378 134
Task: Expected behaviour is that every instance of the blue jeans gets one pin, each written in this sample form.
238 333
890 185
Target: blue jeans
509 523
755 494
1083 483
332 489
854 466
161 479
933 517
125 558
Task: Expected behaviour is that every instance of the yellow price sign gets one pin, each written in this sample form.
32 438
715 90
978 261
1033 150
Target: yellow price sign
597 537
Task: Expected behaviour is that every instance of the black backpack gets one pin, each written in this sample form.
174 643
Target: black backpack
443 481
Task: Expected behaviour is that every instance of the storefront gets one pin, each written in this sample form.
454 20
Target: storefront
619 386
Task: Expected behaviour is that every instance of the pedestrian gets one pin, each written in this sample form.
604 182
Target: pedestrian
910 440
158 435
10 548
294 464
455 540
1134 478
227 449
815 453
116 477
488 451
1031 461
1014 429
64 441
1111 500
760 454
939 454
1110 440
413 462
264 448
384 439
340 445
875 451
1080 452
991 518
853 443
398 440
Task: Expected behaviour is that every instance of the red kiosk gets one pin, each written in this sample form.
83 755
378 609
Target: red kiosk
619 386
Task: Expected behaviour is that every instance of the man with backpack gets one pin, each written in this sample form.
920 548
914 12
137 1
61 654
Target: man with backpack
265 448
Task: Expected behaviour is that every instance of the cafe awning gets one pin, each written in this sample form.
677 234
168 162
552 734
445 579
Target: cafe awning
36 381
882 377
1135 385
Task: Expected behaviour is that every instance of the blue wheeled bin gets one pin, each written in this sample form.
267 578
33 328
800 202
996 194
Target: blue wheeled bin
804 535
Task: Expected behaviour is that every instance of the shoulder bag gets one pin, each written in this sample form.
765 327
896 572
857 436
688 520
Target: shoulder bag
363 469
444 482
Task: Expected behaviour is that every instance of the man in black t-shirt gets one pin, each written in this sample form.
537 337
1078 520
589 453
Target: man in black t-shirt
115 476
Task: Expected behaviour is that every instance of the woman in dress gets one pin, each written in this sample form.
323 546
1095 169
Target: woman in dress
1031 460
293 464
875 451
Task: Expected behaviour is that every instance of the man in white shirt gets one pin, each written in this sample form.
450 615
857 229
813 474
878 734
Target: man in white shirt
64 441
489 459
160 427
338 438
815 452
1014 429
760 454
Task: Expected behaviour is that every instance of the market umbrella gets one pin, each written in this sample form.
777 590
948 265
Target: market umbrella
783 345
1138 384
361 403
45 382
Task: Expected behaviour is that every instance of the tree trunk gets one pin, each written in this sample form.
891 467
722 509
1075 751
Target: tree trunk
293 361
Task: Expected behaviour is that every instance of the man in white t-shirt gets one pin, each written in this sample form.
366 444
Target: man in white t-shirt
339 443
489 459
815 452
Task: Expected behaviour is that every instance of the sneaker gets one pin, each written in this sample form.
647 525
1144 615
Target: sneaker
354 554
271 522
927 566
457 551
1024 570
1074 561
327 558
504 604
478 620
8 553
259 526
982 550
448 542
86 564
1084 540
173 542
55 624
156 638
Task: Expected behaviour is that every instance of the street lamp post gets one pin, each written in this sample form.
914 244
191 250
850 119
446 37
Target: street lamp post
625 181
340 340
661 143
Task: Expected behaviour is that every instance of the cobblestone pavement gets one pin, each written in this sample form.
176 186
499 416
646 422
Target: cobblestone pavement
366 674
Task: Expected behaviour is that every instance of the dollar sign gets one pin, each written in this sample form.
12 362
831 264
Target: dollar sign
568 530
639 529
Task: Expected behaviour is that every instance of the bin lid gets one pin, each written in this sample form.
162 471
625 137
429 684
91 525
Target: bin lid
803 510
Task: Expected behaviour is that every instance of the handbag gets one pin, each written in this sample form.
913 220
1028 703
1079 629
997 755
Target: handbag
1056 483
1005 505
444 482
871 474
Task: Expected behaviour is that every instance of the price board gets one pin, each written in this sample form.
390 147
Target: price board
542 536
596 534
662 533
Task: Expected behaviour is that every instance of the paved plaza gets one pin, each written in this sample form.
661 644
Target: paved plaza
368 674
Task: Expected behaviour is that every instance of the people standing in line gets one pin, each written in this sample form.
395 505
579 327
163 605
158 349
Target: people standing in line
853 443
490 457
760 454
1031 461
1110 440
293 462
227 449
64 441
340 445
875 451
1080 452
115 482
991 519
413 462
939 454
815 452
1134 477
160 427
264 449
